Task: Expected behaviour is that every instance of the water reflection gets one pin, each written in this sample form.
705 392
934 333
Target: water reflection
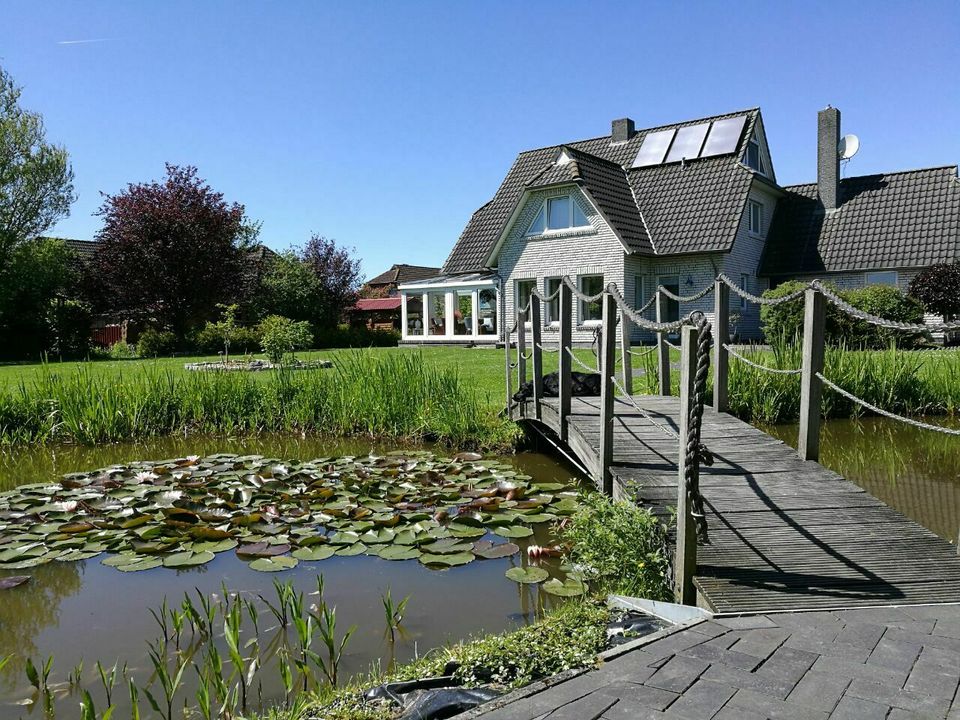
914 471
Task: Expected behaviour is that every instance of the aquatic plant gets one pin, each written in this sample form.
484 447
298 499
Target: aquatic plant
181 512
393 613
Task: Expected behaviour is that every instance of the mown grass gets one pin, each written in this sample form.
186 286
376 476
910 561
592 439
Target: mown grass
383 395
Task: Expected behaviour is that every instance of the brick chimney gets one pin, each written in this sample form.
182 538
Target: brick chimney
828 160
622 130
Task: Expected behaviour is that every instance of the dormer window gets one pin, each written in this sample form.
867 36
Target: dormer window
558 213
752 158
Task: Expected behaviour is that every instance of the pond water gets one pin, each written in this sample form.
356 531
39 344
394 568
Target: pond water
87 611
914 471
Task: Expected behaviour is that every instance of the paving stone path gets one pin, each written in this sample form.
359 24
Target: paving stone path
890 663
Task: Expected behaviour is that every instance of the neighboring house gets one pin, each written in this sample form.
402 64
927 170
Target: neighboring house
379 305
675 206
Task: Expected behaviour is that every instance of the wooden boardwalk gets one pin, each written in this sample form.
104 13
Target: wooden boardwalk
784 534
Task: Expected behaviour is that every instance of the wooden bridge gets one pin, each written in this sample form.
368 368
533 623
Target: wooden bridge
783 532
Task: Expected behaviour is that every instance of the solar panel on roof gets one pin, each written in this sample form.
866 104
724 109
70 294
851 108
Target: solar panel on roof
724 136
688 142
654 147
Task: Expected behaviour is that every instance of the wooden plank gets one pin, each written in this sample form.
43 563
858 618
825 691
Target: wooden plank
562 403
814 332
721 335
536 328
685 563
608 369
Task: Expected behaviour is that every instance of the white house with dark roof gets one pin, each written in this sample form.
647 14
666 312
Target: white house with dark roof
675 206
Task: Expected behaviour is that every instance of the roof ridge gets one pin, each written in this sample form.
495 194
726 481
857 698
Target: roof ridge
640 131
953 167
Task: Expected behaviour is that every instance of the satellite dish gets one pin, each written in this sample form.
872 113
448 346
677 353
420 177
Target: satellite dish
848 146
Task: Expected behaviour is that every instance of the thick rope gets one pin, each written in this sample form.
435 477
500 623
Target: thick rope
546 298
879 321
576 291
637 353
670 344
696 451
886 413
641 321
687 298
757 299
546 349
758 366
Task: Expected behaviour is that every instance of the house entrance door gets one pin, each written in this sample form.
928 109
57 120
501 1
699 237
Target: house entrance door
671 283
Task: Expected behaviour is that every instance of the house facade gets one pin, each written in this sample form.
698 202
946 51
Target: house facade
674 206
378 307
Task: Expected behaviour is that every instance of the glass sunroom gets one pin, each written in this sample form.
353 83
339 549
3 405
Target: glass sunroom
451 309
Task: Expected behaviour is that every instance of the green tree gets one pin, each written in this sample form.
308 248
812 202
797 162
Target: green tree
290 288
282 336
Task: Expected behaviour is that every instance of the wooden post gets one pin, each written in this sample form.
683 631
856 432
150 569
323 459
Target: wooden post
626 359
537 331
608 362
685 561
509 371
814 331
521 360
566 362
663 350
721 334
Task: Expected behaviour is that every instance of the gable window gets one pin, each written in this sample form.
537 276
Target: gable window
881 277
558 213
752 158
755 211
552 309
591 312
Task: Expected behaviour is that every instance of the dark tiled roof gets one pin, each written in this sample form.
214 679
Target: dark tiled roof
893 220
695 208
84 248
404 273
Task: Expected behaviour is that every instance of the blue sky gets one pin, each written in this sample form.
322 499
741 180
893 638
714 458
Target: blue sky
386 124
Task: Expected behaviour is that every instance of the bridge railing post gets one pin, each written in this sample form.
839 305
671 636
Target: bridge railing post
814 335
685 559
521 353
663 350
508 370
721 359
536 328
608 361
566 362
626 360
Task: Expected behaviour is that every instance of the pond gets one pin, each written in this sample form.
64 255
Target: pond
914 471
87 611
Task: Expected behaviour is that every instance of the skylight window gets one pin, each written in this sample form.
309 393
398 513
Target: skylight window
751 157
558 213
687 143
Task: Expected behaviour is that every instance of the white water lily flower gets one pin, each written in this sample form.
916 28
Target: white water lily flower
144 477
280 470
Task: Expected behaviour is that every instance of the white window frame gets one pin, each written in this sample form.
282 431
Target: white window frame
544 207
745 286
581 306
516 295
753 142
548 319
881 273
755 205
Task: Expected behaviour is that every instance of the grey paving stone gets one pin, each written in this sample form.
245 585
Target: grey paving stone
738 713
716 654
903 699
946 659
770 707
924 627
864 635
745 680
901 714
746 622
934 640
947 627
702 700
875 615
845 668
927 612
821 618
640 696
761 643
589 707
712 628
851 708
828 648
622 712
784 669
635 666
678 674
926 679
894 654
819 691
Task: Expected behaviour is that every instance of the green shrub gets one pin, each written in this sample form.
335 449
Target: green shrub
70 328
344 336
209 340
281 337
784 322
153 343
122 350
619 546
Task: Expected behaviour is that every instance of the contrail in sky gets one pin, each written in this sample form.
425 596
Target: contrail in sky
81 42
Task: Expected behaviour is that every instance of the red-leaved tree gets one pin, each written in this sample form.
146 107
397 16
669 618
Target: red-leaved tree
168 251
338 275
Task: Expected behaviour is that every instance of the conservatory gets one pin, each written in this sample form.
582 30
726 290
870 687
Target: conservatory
451 309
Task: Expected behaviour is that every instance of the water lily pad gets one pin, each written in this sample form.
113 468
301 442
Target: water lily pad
262 549
527 575
446 546
451 559
398 552
460 530
490 551
571 587
147 563
317 552
274 564
351 550
188 559
513 531
215 546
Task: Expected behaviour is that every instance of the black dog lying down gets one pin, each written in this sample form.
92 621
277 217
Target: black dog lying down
584 384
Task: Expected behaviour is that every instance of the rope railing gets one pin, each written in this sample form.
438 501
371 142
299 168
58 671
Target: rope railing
639 353
547 349
578 293
665 429
686 298
546 298
876 319
756 299
670 344
885 413
758 366
582 364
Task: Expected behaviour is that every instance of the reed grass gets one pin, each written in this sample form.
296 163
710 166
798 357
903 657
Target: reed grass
365 394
